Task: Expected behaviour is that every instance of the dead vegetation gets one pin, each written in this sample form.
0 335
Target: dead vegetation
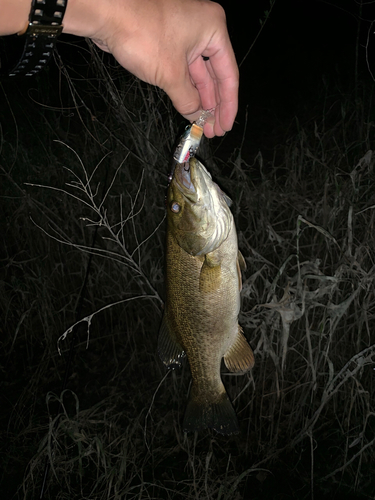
111 429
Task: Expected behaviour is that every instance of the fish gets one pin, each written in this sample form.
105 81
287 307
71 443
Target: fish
203 284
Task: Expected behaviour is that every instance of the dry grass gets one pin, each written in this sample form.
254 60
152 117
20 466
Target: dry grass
306 228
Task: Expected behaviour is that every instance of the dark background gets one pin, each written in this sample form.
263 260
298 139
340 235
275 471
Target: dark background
310 57
305 47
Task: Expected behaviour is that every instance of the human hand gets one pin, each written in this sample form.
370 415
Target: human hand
162 42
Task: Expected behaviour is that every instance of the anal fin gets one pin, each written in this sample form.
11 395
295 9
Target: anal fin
240 356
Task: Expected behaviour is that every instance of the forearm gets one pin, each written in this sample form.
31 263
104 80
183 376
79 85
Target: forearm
14 16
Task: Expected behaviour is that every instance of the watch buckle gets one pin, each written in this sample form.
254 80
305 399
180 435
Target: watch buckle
44 30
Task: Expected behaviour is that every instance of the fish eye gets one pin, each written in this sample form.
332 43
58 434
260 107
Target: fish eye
175 207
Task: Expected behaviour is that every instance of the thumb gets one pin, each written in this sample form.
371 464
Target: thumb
185 97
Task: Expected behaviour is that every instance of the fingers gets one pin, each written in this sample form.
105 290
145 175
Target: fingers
183 93
208 95
217 78
223 70
216 81
211 84
203 82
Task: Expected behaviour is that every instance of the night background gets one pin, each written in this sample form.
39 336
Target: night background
87 408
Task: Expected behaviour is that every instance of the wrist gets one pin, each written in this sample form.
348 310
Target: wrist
85 18
101 20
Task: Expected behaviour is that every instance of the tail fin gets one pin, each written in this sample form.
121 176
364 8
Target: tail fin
218 415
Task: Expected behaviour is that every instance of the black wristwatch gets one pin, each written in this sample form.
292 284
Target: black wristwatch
45 25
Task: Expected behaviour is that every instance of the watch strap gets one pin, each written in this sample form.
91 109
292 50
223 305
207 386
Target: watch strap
45 25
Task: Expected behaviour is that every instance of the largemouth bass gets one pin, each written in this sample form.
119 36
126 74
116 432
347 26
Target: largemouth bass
203 283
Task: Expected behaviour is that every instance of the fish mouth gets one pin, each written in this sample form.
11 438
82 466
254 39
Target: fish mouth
184 180
190 179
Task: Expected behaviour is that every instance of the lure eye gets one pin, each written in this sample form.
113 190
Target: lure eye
175 207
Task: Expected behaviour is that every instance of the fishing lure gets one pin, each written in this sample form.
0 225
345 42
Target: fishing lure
191 138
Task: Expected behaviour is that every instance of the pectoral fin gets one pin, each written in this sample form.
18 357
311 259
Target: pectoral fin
169 349
240 356
210 276
228 201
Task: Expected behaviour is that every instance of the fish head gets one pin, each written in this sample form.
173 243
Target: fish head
198 210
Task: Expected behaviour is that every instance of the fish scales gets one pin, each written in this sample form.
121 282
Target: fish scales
203 296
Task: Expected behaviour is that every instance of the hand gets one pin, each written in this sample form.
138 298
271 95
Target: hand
162 42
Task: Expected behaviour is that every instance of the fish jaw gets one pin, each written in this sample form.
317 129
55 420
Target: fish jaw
184 181
197 209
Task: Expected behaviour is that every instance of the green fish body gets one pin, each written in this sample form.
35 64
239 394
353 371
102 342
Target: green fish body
203 283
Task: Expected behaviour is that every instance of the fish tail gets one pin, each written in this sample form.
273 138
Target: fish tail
217 414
